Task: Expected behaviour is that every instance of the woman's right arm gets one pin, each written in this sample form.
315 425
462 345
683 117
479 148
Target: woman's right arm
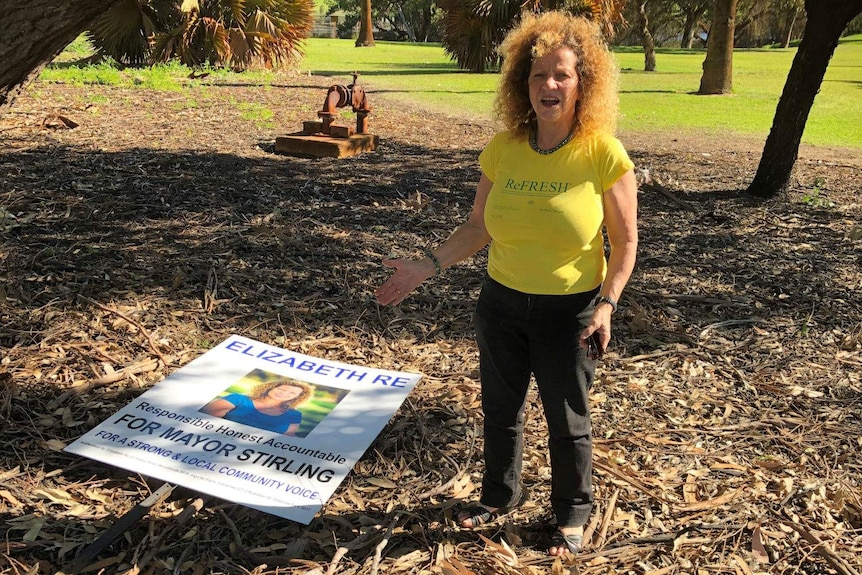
466 240
218 407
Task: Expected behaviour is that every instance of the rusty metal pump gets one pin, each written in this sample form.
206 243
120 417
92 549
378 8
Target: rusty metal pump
340 96
326 138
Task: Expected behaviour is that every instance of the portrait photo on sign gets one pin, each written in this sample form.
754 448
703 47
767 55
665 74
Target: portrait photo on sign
275 403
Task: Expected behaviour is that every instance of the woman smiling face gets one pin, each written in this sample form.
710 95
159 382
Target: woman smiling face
286 392
554 88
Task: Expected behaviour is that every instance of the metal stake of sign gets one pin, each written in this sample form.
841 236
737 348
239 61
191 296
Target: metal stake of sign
121 526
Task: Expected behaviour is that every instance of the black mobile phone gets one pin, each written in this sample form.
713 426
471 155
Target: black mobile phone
594 346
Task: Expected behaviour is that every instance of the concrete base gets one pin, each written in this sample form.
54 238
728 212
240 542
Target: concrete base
300 144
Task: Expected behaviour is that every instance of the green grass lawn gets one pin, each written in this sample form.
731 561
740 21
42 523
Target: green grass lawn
650 101
664 99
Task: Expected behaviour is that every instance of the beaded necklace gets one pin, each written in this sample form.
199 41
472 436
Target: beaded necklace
534 144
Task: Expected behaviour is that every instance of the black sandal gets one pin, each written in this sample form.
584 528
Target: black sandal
476 514
574 543
480 515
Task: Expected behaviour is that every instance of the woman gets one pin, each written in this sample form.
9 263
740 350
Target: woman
550 182
269 406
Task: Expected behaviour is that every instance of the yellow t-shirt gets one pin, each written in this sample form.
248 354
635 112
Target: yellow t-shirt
544 212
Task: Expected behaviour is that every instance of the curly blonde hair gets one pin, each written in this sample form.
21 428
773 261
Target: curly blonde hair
261 390
538 35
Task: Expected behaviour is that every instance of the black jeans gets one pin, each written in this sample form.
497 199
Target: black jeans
522 334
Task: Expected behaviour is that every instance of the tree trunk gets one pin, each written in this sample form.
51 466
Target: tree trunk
648 42
30 38
754 15
687 33
718 66
410 35
693 13
788 34
826 21
366 29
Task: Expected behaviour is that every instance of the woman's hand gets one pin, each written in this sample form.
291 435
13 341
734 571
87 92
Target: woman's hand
409 274
465 241
600 324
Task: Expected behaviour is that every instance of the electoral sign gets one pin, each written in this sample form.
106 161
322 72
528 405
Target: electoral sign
219 426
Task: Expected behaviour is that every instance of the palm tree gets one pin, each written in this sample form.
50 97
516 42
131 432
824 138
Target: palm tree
124 31
472 29
234 33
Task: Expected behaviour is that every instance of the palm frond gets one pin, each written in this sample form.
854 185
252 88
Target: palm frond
238 12
164 44
122 32
187 47
241 49
473 29
264 23
221 32
215 42
189 6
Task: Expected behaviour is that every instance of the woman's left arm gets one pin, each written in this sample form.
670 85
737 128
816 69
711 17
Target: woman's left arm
292 429
621 215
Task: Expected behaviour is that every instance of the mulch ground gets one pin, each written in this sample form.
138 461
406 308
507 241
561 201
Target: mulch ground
727 415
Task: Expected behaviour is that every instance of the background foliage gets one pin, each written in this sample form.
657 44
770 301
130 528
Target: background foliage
413 20
232 33
422 74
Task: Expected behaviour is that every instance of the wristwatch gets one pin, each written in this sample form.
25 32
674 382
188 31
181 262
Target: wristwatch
605 299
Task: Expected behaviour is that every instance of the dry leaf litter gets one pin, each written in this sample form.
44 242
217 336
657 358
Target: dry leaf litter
727 415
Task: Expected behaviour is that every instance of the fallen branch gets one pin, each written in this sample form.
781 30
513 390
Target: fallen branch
611 469
667 538
726 323
709 503
458 474
606 520
135 323
237 538
145 366
690 297
650 183
823 549
584 558
344 549
378 550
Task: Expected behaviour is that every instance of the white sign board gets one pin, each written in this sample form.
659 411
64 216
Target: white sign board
228 424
